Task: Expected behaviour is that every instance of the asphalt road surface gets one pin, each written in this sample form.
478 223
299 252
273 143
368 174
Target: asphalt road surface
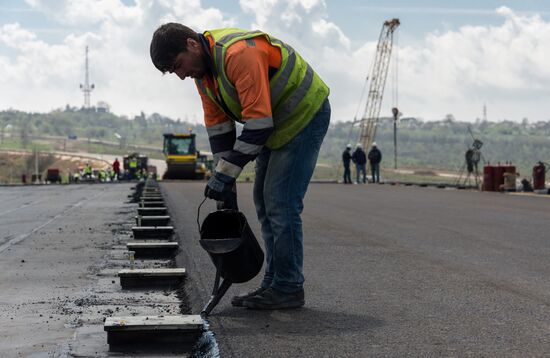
392 271
51 236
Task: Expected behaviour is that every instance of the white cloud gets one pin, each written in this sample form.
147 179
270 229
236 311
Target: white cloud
454 71
120 65
458 71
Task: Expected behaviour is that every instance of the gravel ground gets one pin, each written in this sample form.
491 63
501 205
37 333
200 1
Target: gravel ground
60 250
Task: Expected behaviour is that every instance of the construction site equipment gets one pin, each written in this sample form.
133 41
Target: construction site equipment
539 176
183 161
488 175
53 176
470 167
378 75
498 178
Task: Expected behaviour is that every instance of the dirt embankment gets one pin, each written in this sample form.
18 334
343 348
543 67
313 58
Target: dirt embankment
15 164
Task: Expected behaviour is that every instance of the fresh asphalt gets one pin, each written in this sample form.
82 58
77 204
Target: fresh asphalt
391 271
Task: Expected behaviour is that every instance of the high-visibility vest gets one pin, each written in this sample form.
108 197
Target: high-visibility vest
133 163
297 92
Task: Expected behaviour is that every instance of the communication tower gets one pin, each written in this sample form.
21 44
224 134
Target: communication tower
87 87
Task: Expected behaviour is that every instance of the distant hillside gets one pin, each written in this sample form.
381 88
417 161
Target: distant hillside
442 144
435 144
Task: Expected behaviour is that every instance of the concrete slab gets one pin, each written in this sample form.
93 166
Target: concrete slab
151 204
157 232
160 277
156 220
151 198
152 211
152 249
153 333
150 190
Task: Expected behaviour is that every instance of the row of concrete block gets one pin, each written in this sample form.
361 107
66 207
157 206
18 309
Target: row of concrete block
153 239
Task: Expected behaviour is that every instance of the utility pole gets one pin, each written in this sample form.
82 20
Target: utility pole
396 114
87 87
37 181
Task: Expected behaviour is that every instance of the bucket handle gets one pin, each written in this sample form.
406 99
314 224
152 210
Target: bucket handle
199 214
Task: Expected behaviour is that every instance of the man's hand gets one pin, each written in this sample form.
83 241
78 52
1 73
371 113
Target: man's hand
220 188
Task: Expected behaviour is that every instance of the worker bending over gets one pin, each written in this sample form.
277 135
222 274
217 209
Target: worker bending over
255 79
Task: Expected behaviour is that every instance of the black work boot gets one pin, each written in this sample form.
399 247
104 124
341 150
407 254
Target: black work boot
237 301
272 299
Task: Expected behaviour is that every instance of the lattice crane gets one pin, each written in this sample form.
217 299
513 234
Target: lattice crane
378 75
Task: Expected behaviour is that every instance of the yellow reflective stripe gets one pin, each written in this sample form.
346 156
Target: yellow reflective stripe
278 86
210 95
225 85
229 37
286 108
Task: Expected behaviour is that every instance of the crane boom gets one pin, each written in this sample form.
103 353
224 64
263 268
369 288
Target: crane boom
378 76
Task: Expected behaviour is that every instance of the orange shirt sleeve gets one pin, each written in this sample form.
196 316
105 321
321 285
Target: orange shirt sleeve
247 67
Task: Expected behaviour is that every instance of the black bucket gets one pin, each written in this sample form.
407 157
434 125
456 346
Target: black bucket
232 246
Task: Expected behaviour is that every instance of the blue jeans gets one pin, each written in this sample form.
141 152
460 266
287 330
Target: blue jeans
361 168
375 170
282 178
347 174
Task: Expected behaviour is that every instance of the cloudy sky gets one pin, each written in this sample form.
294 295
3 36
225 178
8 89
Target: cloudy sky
451 58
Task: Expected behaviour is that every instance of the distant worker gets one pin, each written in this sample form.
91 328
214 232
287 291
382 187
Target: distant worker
132 167
526 185
88 171
256 79
375 157
109 174
360 159
116 169
346 159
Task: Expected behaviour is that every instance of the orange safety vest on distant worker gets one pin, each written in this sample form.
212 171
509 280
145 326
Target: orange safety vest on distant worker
258 81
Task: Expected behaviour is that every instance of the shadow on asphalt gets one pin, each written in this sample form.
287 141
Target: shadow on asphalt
305 322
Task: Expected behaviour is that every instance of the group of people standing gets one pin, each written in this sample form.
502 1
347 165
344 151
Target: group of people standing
359 158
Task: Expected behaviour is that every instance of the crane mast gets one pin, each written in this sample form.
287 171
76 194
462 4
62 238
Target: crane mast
378 75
